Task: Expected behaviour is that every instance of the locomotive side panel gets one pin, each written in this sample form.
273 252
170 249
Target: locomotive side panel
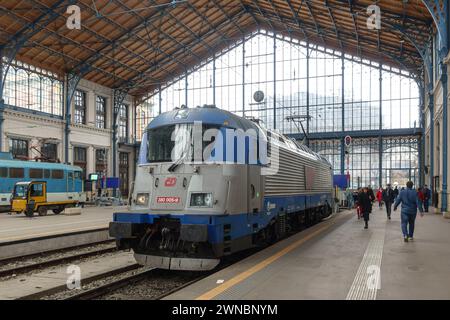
298 174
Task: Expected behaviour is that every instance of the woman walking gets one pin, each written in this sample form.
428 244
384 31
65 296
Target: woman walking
366 206
358 206
380 197
421 197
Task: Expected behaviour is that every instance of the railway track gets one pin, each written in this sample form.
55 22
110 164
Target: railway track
113 285
160 282
62 289
151 284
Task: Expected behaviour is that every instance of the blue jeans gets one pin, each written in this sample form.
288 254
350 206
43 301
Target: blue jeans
408 219
426 204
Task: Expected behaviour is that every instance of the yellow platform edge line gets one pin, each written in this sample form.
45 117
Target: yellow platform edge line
244 275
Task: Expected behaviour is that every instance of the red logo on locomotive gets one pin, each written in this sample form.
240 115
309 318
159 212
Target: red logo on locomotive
170 182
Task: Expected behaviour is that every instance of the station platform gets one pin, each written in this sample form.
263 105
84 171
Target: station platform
19 227
339 259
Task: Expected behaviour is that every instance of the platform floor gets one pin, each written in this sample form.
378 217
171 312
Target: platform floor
338 259
18 227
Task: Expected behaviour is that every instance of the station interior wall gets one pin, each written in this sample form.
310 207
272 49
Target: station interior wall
38 128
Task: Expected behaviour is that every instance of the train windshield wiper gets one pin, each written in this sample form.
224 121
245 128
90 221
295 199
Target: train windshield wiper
179 161
175 165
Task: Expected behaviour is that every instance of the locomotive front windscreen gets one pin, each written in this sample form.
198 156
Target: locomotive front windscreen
172 143
161 142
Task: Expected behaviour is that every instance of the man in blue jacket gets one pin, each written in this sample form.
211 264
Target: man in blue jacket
410 203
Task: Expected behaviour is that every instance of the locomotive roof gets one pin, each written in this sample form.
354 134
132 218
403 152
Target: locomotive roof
207 115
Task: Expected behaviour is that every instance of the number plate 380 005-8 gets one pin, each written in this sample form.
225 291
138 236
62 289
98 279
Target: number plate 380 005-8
168 200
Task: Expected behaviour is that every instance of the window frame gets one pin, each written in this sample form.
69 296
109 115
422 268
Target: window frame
32 173
52 155
13 170
14 147
100 112
122 121
79 99
56 176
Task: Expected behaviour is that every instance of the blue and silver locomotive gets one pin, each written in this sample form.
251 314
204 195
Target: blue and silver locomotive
250 187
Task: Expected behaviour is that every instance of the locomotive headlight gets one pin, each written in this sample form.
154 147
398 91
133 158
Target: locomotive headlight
201 200
142 199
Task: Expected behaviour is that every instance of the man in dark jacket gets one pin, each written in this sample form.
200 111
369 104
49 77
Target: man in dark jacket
427 197
371 196
366 205
410 203
396 191
388 198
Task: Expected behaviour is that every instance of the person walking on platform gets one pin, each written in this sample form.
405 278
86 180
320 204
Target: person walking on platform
421 197
410 203
380 197
371 197
349 198
388 198
426 198
371 194
358 206
396 192
366 206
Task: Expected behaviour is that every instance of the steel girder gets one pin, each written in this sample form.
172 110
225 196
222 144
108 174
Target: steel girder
119 97
53 52
429 90
439 10
100 38
189 71
411 65
333 21
2 102
9 50
140 79
228 17
279 16
359 134
72 80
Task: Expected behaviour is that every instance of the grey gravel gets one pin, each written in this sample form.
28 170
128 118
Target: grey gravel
152 288
149 288
84 287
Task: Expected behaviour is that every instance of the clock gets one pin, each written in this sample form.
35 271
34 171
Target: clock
258 96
